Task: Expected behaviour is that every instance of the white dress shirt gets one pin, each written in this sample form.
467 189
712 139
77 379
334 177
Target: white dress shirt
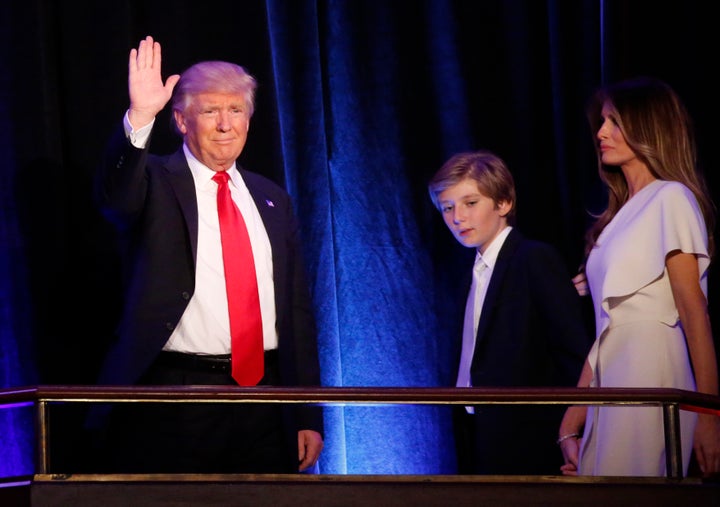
482 272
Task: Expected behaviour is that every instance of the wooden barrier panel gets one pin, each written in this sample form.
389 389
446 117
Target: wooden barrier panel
367 491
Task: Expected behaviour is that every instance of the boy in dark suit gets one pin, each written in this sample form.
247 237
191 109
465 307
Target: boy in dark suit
523 322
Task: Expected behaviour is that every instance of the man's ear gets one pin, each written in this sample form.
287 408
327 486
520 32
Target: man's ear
180 122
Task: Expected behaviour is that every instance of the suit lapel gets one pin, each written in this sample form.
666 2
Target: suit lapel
268 209
502 264
273 216
181 181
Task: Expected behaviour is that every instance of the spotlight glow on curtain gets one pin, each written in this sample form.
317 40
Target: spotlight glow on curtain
16 424
372 289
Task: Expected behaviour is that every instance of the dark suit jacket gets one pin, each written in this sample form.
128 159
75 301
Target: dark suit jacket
152 202
531 333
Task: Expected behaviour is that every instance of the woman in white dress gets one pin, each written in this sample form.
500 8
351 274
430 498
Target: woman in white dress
647 260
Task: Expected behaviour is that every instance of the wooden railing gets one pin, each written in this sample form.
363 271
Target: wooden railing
671 401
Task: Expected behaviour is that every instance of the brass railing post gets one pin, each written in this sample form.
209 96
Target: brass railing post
41 422
673 443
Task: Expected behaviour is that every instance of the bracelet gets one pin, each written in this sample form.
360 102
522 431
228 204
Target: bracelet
565 437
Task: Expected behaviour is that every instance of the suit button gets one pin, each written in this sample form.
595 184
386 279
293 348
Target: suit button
170 326
185 295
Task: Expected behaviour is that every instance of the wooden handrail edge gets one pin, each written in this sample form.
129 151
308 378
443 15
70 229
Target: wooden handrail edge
688 400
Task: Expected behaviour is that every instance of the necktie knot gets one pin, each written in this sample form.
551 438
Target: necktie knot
221 178
479 266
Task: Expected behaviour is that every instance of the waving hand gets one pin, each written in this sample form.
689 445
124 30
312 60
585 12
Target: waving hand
148 93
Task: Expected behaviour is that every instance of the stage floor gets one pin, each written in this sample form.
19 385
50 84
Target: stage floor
179 490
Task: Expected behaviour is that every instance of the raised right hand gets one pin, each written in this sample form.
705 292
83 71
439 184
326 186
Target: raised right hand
148 94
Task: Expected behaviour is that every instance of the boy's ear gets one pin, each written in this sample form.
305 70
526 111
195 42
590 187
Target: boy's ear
504 207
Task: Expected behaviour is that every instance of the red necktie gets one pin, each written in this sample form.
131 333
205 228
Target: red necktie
242 291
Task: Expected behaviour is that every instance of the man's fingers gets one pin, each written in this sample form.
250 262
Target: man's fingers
145 54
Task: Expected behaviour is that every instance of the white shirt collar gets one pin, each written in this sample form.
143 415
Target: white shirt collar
493 249
203 174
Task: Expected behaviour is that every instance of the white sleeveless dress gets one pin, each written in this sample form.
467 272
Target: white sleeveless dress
639 339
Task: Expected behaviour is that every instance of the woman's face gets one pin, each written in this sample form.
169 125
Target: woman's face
613 147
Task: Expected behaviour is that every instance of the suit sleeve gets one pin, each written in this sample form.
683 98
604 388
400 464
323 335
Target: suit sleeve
120 181
554 292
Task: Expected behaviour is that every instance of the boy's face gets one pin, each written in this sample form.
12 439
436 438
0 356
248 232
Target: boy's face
473 218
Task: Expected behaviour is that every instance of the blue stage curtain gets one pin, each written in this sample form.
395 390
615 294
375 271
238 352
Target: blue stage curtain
359 103
17 358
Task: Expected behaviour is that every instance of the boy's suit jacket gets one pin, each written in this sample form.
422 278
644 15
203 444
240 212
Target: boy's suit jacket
531 333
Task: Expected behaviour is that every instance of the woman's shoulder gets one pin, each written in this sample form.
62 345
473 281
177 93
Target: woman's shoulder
668 196
673 190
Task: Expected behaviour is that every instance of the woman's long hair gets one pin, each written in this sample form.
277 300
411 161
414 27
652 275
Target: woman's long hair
659 131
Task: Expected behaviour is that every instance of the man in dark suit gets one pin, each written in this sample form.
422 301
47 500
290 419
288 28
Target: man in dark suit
175 327
523 323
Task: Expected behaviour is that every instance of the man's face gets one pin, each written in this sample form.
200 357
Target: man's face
215 128
473 218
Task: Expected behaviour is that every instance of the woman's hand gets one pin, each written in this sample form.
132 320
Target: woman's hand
581 285
707 444
570 448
